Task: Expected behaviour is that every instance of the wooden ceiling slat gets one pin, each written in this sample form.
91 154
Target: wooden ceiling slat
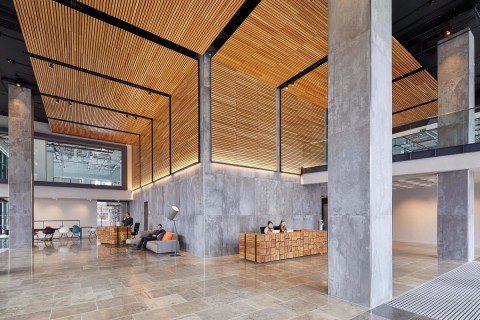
193 24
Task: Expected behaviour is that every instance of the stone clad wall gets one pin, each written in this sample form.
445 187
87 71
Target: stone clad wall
235 200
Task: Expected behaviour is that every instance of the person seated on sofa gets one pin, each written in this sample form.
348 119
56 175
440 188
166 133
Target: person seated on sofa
156 235
269 228
282 226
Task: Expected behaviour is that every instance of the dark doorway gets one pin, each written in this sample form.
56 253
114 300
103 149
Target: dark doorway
145 215
325 213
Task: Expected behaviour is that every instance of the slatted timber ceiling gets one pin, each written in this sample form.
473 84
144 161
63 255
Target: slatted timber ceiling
278 40
243 119
185 123
161 144
193 24
303 126
93 116
146 149
49 28
313 86
76 85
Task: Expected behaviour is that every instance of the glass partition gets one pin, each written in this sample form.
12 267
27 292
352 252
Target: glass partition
446 130
62 162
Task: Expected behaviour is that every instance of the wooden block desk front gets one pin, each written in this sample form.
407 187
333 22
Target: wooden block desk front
278 246
113 235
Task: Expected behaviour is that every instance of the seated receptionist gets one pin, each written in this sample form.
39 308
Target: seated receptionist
282 226
269 228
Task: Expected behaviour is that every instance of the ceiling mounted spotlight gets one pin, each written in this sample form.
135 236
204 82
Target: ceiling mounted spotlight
57 101
286 88
149 93
70 103
293 84
135 117
18 82
126 115
50 64
448 32
10 61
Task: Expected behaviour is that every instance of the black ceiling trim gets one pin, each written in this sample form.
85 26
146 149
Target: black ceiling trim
413 107
92 125
235 22
406 75
95 106
303 72
102 16
93 73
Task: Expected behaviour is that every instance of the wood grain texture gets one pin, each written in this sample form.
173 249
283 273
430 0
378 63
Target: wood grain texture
193 24
243 119
185 122
303 123
61 33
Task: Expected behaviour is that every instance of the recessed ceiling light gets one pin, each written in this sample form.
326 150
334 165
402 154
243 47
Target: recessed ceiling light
149 93
448 32
57 101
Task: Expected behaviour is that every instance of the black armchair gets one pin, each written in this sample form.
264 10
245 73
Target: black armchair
136 227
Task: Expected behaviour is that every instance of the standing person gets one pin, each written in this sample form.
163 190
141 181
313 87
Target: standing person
282 226
127 221
156 235
269 228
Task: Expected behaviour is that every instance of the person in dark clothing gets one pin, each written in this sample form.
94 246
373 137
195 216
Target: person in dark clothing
127 221
156 235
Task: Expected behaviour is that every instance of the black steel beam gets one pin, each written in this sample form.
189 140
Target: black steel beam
406 75
93 73
104 17
236 21
303 72
413 107
93 126
95 106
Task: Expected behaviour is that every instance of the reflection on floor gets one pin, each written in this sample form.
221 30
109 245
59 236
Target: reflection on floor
74 279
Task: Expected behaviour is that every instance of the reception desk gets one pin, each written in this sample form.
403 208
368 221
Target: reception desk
113 235
278 246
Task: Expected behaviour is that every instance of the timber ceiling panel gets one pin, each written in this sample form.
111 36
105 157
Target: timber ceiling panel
313 86
97 117
413 90
278 40
193 24
76 85
58 32
62 127
426 111
243 119
303 126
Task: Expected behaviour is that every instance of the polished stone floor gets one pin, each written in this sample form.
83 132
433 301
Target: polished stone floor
75 279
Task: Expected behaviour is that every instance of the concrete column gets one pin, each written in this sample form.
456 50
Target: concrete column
278 104
456 126
205 91
456 89
360 154
455 229
20 167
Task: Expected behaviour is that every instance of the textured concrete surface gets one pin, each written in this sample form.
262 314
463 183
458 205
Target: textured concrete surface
360 166
20 166
456 89
236 200
455 225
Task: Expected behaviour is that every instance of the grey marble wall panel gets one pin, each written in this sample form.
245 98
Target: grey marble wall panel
20 167
359 133
455 225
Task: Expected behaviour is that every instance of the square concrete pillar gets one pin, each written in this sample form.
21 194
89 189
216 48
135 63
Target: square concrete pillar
456 89
456 126
359 151
455 230
20 167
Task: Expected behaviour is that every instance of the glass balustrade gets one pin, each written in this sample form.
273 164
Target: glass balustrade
445 130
